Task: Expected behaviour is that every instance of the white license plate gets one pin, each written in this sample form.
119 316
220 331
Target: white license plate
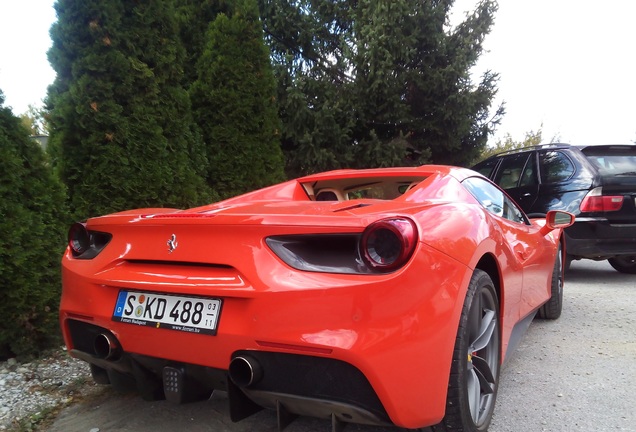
174 312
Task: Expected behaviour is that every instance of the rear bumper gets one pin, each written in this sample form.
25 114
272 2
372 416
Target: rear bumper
367 349
302 384
597 238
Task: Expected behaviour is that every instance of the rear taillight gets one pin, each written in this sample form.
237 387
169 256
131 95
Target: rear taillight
388 244
78 239
596 202
85 244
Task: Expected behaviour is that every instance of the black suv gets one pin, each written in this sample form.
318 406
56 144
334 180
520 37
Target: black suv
595 183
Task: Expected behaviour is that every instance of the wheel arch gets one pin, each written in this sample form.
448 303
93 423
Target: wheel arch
460 411
488 264
563 244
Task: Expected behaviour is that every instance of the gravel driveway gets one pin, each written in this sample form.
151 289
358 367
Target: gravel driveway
577 373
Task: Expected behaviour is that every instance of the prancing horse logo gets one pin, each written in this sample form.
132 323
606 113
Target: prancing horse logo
172 243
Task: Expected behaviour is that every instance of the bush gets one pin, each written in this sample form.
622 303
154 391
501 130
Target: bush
32 230
120 118
234 104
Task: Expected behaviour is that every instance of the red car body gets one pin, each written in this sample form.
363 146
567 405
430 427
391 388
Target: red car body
318 330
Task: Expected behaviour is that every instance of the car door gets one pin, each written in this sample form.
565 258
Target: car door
517 175
527 257
563 184
517 247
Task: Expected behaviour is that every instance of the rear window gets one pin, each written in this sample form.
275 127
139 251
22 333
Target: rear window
350 188
555 167
613 160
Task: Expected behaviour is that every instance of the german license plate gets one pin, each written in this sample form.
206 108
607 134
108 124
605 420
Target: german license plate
184 313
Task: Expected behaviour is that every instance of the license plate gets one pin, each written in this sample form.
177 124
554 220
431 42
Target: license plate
167 311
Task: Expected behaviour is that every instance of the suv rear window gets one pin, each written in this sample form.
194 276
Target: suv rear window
613 160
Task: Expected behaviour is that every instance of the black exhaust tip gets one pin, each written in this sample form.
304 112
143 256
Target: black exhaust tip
245 371
106 347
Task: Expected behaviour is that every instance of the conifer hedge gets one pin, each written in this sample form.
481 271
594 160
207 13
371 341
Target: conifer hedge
121 123
234 104
33 222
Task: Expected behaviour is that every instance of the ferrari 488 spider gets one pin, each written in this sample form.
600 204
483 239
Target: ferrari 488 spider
382 296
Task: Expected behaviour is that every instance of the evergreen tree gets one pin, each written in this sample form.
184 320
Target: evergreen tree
234 104
194 18
449 114
33 221
311 48
121 125
375 83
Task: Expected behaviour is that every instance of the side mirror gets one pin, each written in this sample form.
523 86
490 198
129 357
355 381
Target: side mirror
557 219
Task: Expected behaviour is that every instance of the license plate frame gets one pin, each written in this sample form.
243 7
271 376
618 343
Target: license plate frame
168 311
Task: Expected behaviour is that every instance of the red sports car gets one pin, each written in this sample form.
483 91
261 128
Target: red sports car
381 296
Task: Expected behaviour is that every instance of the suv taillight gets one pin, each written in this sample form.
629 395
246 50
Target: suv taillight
595 202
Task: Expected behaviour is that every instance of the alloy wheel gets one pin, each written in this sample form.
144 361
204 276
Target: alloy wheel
483 356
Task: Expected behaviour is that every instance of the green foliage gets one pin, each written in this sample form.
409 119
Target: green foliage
194 18
34 120
234 105
121 126
311 47
33 221
377 83
531 138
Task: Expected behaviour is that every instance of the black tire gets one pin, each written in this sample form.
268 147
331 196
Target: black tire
474 377
624 264
553 307
568 262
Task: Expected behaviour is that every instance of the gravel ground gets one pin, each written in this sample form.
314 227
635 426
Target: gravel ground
29 389
574 374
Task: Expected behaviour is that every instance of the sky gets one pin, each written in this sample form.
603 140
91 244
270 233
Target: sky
25 72
566 67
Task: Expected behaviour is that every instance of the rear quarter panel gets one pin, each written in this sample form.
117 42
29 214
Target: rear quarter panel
524 257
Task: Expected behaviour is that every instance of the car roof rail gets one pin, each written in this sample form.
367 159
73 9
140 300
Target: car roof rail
534 147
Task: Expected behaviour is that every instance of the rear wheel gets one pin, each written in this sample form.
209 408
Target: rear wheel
624 264
568 262
474 378
553 307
